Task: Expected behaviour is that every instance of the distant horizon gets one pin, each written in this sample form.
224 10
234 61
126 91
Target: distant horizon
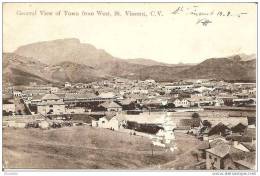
159 61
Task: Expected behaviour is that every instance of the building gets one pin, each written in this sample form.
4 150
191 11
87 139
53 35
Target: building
226 156
67 84
111 106
217 156
182 103
9 108
51 104
17 93
109 122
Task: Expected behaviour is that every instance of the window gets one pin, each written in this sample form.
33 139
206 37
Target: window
210 157
51 106
103 121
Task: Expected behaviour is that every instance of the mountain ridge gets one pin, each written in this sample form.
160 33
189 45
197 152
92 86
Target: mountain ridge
70 60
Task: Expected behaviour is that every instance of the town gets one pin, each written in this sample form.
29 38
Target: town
215 119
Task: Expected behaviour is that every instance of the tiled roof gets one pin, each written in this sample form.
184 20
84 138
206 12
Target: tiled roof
220 150
217 142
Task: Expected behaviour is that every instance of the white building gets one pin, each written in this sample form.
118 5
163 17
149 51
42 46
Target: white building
107 122
51 104
9 107
67 84
17 93
182 103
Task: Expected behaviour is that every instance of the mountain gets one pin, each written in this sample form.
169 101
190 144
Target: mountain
243 57
56 51
74 72
222 68
20 70
146 62
70 60
158 73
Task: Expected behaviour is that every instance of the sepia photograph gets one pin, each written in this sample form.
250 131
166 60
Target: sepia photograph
129 86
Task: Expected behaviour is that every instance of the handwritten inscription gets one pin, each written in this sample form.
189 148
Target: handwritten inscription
205 13
202 16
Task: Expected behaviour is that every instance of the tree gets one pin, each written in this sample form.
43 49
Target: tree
19 112
206 123
195 115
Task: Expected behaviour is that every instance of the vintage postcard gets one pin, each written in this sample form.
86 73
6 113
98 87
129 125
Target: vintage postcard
129 86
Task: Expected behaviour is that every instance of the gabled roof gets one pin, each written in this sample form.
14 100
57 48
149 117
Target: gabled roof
110 104
126 101
220 150
110 117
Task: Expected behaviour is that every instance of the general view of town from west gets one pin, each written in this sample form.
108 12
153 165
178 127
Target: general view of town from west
69 105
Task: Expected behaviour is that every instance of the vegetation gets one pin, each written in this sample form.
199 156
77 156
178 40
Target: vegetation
195 115
145 128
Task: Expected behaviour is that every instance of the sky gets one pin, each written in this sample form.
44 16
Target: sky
176 37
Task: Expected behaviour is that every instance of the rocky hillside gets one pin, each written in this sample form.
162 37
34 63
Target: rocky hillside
70 60
222 68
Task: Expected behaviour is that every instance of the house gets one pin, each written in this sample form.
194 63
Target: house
238 128
111 106
51 104
219 128
218 102
127 104
67 84
245 102
187 124
17 93
9 108
109 122
222 157
182 102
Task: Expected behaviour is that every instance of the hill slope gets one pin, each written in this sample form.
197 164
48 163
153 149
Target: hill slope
221 68
70 60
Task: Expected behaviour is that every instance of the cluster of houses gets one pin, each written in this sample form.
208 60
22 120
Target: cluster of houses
220 114
122 94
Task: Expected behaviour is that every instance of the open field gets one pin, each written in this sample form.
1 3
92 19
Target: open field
87 148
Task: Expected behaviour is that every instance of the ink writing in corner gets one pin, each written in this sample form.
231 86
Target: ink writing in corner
204 21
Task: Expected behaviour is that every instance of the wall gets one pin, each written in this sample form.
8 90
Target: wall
213 157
